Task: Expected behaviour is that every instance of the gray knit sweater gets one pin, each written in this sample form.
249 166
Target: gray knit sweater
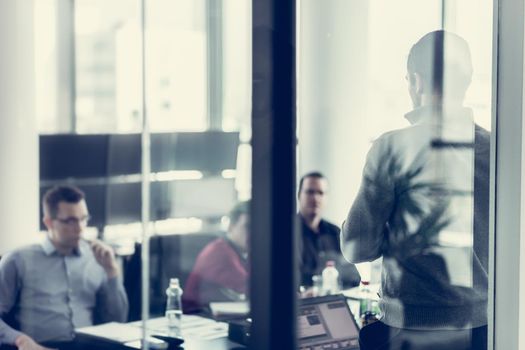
423 206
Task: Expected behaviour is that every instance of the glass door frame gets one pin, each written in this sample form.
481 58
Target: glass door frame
507 202
273 267
273 207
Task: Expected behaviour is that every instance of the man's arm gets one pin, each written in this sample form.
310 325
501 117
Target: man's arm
25 342
9 289
363 231
350 277
112 301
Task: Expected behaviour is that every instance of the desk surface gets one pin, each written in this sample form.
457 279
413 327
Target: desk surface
199 333
357 292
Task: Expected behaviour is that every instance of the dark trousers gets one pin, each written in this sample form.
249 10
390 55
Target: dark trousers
379 336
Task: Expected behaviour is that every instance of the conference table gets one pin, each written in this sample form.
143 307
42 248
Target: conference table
199 333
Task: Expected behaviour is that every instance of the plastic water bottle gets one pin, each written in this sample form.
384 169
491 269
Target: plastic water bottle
174 306
330 277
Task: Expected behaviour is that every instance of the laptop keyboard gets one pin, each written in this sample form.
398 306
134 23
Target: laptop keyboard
339 344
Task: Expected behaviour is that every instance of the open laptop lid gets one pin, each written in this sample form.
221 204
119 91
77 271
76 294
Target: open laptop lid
326 323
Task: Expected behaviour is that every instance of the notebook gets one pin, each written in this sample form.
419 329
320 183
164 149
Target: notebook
326 323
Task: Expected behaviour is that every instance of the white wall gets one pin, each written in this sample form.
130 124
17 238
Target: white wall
18 135
332 75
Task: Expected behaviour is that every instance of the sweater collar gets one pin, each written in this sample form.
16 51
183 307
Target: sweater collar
429 114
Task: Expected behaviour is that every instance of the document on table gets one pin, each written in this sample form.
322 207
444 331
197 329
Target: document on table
192 326
117 332
240 308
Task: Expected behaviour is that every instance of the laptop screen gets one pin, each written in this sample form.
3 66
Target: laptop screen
327 322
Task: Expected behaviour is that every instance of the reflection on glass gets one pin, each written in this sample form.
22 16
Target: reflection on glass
423 207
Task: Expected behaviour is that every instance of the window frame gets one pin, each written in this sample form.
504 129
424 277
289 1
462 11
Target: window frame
507 267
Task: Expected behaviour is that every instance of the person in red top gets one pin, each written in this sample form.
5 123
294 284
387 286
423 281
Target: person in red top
220 272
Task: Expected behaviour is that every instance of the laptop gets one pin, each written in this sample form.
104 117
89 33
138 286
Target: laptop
326 323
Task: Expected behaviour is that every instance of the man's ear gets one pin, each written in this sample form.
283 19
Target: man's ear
48 222
418 83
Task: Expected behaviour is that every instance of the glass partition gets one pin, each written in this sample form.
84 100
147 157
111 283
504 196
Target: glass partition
152 122
198 247
394 150
169 188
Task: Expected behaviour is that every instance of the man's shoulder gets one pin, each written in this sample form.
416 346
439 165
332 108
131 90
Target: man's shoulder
482 136
30 249
408 133
218 246
217 252
17 256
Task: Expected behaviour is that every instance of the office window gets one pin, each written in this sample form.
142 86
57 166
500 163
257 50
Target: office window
104 31
177 78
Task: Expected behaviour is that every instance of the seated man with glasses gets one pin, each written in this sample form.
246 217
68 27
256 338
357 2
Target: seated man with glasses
62 283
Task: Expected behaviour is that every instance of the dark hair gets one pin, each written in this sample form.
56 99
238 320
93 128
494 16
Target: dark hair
443 61
57 194
237 210
315 174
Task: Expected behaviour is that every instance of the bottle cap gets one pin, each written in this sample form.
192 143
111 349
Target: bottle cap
174 282
330 263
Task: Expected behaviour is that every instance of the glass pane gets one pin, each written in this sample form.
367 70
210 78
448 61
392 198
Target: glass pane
394 149
200 183
84 274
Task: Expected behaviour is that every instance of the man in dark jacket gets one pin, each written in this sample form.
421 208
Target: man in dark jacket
319 238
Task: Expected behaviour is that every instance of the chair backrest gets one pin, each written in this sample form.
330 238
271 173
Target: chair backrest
170 256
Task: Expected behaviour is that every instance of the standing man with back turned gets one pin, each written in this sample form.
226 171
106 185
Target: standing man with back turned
62 283
319 238
423 206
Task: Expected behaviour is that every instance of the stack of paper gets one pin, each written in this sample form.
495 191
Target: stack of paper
232 308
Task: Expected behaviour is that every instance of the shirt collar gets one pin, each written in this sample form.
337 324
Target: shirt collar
428 113
49 247
308 230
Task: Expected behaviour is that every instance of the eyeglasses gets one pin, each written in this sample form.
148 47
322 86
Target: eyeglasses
73 220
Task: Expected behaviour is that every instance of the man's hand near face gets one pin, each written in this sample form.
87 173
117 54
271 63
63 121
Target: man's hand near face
105 257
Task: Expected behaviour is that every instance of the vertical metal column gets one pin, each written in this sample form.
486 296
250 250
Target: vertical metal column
214 58
66 66
273 283
145 183
507 238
